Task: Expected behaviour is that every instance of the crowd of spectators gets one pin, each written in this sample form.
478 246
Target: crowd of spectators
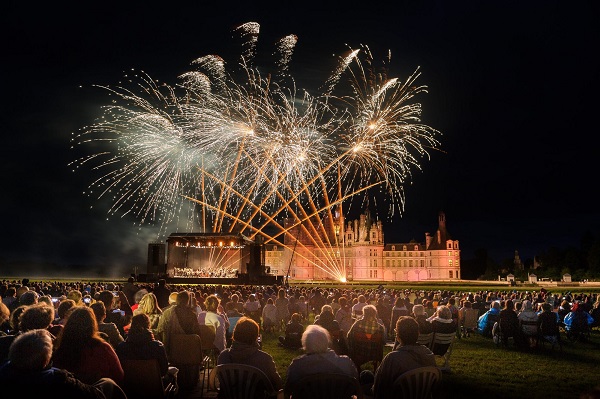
94 325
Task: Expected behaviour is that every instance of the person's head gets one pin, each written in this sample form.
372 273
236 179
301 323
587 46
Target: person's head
370 312
444 312
80 326
99 310
281 293
64 308
495 305
546 307
46 300
315 339
246 331
407 330
149 304
343 301
184 299
36 317
31 351
362 299
28 298
139 294
140 321
509 304
14 317
418 310
75 295
326 309
235 298
173 298
399 302
108 298
296 318
270 301
527 306
4 313
212 303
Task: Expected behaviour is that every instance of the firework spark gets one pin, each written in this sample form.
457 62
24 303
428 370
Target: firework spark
253 154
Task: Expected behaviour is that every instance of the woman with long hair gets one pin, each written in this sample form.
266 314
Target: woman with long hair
148 305
80 349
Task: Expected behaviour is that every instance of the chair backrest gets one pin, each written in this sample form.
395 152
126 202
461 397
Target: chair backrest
471 316
143 379
239 381
425 339
186 349
443 338
326 386
419 383
207 335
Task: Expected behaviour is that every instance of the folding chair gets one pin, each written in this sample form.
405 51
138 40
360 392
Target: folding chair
469 322
441 346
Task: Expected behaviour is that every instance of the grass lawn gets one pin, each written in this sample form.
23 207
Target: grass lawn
480 369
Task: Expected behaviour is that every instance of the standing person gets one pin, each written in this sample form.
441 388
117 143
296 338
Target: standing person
110 329
283 313
252 308
408 356
245 350
357 308
398 310
80 349
118 309
212 318
344 315
130 289
30 367
148 305
162 293
180 318
384 310
317 358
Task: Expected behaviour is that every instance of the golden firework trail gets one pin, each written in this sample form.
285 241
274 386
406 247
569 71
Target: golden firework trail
256 156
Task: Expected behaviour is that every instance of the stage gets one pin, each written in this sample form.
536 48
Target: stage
240 280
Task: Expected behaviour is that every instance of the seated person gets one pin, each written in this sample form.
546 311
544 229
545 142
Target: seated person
110 330
317 358
442 322
327 320
488 319
244 349
141 345
548 325
577 322
30 366
362 351
293 333
419 314
408 356
269 316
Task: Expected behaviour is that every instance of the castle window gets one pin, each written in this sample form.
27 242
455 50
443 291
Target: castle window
393 247
450 273
416 247
450 262
449 253
410 263
404 247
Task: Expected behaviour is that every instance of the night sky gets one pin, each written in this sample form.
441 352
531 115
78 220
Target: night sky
513 89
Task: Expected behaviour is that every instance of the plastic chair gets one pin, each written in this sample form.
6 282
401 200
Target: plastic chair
366 348
186 354
240 381
469 321
326 386
143 379
443 340
419 383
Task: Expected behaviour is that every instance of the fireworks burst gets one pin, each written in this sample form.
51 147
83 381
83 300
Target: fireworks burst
253 154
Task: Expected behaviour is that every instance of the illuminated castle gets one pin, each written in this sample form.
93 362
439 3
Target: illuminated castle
364 255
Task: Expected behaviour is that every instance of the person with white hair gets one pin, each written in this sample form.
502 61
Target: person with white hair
318 358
